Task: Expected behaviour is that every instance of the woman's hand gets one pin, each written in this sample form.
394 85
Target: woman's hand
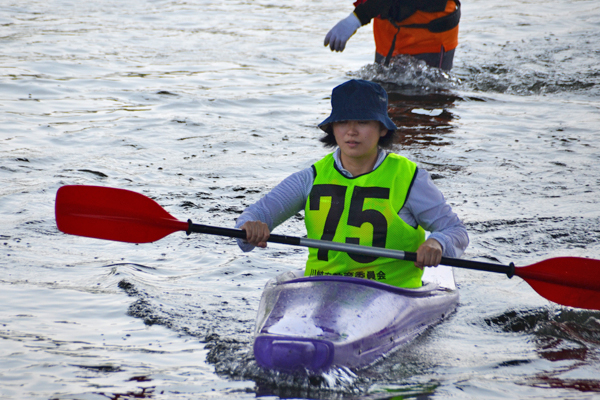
429 254
257 233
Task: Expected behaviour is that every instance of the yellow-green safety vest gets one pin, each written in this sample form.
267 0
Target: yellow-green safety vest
363 210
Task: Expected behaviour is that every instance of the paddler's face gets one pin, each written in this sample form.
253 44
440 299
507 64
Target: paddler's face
358 139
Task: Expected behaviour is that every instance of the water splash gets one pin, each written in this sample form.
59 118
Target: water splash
408 74
234 358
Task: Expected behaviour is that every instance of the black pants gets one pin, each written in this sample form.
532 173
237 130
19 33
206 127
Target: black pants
443 59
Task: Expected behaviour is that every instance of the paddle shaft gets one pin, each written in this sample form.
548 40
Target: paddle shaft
509 270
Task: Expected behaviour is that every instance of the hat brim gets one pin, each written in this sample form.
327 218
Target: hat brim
326 125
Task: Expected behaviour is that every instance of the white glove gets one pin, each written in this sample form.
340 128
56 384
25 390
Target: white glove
341 32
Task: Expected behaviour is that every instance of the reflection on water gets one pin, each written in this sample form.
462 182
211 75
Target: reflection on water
419 96
579 327
581 385
559 336
421 99
422 120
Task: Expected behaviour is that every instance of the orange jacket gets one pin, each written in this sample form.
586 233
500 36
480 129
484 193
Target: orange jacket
411 40
415 40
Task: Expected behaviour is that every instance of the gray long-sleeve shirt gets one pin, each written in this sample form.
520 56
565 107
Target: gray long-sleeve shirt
425 206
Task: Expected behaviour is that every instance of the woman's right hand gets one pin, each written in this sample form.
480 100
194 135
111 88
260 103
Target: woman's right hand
257 233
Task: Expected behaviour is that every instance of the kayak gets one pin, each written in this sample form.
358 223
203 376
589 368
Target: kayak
318 323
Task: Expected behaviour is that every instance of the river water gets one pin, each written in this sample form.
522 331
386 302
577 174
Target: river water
204 105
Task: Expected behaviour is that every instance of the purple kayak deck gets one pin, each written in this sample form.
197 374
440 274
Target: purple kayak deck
316 323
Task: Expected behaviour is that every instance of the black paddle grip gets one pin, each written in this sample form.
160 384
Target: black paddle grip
237 233
509 270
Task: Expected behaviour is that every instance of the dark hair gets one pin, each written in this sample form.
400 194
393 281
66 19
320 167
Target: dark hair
385 142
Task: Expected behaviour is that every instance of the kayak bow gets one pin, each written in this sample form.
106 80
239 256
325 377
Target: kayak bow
319 323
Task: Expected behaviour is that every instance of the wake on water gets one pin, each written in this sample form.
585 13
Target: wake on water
409 75
535 66
229 345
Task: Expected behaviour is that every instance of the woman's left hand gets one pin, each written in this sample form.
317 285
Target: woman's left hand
429 254
257 233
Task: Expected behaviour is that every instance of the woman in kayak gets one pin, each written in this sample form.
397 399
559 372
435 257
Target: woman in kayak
362 194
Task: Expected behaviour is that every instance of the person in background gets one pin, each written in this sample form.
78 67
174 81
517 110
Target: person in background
361 194
424 29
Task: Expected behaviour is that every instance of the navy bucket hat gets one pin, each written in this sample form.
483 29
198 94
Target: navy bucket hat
358 100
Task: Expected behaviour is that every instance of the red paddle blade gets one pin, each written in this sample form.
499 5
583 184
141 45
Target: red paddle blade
112 214
570 281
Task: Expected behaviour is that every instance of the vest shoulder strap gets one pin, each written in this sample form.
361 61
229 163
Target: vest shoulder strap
441 24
